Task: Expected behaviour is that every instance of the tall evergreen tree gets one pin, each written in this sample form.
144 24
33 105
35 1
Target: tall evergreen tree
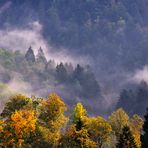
41 56
30 57
126 139
144 135
78 72
61 72
126 101
142 95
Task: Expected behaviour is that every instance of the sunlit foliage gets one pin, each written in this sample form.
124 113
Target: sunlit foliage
18 127
30 122
99 130
118 120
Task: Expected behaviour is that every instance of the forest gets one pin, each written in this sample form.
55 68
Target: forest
47 120
31 122
82 83
31 74
112 33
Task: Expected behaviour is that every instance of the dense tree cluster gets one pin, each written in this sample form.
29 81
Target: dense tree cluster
69 81
144 135
43 122
112 32
46 75
134 99
119 27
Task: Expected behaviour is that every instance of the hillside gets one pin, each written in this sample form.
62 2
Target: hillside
35 75
112 33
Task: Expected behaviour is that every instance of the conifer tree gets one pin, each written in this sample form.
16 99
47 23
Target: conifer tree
61 72
41 56
126 139
30 57
144 135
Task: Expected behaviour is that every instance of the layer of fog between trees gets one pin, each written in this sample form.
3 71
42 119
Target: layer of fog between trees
110 36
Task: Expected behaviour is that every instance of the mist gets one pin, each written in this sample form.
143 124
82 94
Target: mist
111 37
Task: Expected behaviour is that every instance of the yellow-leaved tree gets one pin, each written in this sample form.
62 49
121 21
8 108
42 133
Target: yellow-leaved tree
118 120
99 130
136 124
1 125
1 130
52 118
79 115
76 135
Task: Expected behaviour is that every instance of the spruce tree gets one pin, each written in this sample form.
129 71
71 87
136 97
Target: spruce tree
126 139
144 135
61 72
30 57
41 56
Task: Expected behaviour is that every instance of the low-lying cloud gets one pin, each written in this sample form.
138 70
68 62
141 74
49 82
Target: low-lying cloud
18 86
141 75
20 39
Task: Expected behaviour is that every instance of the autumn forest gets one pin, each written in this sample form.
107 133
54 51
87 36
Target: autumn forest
73 73
37 122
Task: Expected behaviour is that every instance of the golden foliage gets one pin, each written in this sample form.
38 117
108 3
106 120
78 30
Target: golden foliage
79 112
1 125
23 122
74 138
118 120
99 129
52 118
18 127
136 123
52 108
43 123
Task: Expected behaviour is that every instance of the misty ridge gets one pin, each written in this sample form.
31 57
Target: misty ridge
111 36
35 75
74 73
32 74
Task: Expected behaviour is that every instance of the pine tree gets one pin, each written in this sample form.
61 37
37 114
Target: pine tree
144 135
41 56
78 72
126 139
61 72
30 57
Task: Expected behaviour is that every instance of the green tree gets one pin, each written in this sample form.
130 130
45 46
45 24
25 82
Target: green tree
41 56
30 57
144 135
61 72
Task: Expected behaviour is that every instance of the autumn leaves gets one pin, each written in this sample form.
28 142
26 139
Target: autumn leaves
40 123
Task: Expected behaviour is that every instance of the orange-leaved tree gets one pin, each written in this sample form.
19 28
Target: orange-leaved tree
18 128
